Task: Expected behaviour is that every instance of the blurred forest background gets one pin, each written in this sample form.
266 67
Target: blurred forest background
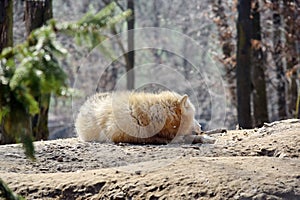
254 45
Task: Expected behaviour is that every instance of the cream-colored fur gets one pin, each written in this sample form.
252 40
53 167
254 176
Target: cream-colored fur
136 117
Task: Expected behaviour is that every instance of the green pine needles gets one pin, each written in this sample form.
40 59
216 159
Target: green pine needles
32 69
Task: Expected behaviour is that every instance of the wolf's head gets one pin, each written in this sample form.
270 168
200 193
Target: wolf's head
188 124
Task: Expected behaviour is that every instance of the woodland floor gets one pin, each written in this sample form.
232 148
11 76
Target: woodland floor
246 164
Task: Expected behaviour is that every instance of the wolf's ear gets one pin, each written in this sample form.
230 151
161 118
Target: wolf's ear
183 101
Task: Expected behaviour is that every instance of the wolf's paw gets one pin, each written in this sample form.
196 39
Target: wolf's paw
204 139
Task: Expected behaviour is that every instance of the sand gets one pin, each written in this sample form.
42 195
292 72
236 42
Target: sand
259 163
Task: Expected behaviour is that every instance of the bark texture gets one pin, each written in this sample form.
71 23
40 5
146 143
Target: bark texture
243 64
37 13
130 54
260 109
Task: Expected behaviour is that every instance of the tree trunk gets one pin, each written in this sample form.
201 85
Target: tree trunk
291 12
6 40
277 57
243 64
156 23
36 15
225 38
130 54
6 24
260 109
108 79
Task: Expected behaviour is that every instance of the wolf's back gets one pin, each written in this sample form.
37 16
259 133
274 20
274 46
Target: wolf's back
135 117
91 117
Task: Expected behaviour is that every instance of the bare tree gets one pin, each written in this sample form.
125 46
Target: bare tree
260 109
277 57
225 37
292 29
130 43
128 55
108 79
243 63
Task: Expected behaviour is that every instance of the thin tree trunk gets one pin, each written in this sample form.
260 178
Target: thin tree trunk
6 40
243 63
130 54
156 23
291 12
36 15
277 57
225 38
108 79
260 109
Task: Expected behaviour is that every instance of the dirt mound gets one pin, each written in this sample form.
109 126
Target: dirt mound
246 164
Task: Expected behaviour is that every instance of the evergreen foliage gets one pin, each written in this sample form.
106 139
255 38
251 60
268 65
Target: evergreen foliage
32 69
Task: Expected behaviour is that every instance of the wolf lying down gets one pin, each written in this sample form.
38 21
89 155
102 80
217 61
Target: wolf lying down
139 118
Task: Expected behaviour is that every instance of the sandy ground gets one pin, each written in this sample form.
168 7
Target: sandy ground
246 164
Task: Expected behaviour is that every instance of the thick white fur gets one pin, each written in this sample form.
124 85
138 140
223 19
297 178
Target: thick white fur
136 117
